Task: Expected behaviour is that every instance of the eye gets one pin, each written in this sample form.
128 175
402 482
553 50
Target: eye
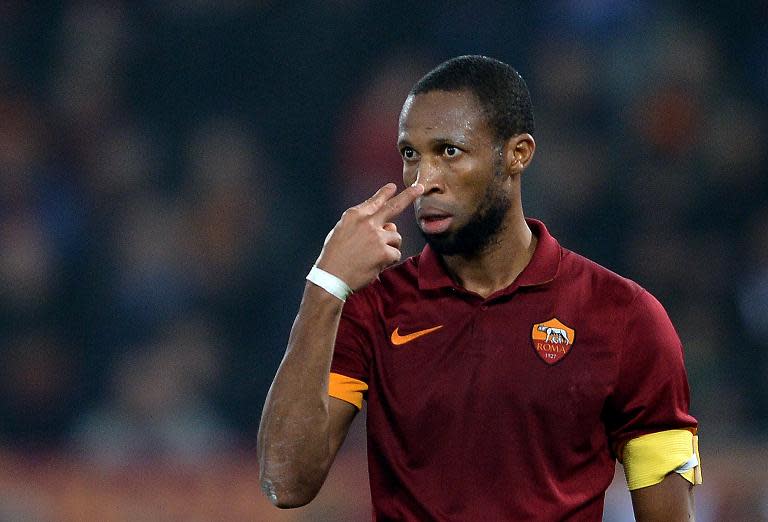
451 151
408 153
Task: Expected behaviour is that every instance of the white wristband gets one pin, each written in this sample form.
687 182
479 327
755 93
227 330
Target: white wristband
330 283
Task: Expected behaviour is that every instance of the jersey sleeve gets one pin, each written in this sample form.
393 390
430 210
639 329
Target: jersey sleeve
651 394
352 351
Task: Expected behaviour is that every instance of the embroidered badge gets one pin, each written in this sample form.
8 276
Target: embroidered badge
552 340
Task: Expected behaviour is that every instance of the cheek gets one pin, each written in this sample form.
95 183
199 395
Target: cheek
469 179
409 175
477 201
472 185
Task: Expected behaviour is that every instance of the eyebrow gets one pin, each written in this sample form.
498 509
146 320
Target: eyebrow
442 140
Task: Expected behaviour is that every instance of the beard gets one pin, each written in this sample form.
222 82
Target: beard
481 231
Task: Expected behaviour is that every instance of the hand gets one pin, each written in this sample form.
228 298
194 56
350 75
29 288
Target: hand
364 241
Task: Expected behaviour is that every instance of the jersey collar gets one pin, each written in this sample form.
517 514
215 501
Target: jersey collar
541 269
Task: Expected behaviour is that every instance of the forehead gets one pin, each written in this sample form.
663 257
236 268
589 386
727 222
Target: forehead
442 112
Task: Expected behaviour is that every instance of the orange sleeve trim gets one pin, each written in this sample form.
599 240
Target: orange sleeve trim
347 389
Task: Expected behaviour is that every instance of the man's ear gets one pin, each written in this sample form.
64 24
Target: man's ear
518 152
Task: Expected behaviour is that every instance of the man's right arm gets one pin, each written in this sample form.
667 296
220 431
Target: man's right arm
302 427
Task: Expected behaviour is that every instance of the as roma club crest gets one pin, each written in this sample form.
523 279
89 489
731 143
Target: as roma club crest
552 340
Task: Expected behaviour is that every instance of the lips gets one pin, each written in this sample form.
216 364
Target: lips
434 220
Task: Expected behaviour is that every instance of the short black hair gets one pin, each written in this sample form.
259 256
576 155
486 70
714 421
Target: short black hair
500 90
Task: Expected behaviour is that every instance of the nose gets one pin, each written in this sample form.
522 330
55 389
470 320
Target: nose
430 175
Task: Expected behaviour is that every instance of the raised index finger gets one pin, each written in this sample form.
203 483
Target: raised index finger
375 202
394 206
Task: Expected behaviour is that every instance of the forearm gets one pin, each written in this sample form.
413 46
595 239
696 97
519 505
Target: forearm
294 449
300 432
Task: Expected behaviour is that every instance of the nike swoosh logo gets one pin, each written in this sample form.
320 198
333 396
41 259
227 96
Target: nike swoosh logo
398 339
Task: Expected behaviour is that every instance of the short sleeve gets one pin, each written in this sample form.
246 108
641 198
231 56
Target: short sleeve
651 392
353 348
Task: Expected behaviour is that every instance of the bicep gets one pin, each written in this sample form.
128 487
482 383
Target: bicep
341 414
670 500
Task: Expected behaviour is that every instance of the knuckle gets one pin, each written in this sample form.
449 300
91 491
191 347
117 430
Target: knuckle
351 214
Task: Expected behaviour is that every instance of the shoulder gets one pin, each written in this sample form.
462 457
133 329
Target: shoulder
638 319
405 273
393 282
397 278
595 281
617 296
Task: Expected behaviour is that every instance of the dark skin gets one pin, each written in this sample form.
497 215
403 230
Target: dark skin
448 148
302 427
671 499
450 159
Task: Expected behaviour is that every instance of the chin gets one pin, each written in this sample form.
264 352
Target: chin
442 243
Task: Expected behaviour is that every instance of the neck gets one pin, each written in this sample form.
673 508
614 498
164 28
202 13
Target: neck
500 263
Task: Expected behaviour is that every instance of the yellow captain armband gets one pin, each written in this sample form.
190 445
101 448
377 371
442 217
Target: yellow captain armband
347 389
649 458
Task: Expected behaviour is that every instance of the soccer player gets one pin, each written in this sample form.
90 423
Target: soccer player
504 374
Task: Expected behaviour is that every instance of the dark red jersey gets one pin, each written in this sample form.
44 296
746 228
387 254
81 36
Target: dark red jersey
512 407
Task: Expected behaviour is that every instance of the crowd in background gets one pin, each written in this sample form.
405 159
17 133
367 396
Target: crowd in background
168 171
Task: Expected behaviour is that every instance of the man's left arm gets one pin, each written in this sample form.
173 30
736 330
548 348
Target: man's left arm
652 432
671 500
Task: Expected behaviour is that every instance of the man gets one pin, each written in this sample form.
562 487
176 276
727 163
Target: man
504 374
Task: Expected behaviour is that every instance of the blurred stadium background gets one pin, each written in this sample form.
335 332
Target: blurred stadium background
168 171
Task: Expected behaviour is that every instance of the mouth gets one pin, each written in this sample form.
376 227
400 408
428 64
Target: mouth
434 221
